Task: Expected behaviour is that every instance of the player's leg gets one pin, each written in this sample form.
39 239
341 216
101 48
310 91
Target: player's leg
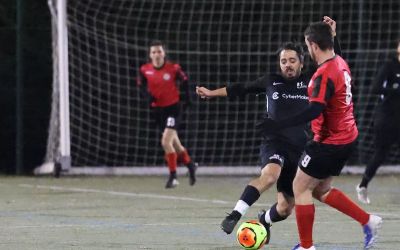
278 212
341 202
384 138
184 157
272 159
285 197
335 158
269 175
171 157
303 186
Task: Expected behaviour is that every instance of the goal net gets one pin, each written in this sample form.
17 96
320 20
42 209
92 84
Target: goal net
216 43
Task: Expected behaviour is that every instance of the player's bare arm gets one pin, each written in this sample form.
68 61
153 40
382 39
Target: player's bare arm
207 93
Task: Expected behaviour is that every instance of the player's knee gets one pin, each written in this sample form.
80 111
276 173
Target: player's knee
299 189
268 179
319 193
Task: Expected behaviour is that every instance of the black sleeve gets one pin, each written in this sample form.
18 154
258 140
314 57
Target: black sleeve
240 89
336 46
184 86
313 110
379 80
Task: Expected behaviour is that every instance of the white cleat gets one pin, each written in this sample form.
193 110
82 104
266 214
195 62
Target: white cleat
362 194
171 183
371 230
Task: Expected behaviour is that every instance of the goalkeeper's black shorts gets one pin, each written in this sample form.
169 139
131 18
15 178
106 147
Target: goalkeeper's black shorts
167 117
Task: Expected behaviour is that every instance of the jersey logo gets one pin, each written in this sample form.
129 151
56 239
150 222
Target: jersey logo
295 97
277 83
148 72
166 76
276 157
301 85
275 95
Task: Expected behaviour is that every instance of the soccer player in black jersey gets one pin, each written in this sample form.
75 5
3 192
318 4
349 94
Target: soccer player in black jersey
387 120
286 93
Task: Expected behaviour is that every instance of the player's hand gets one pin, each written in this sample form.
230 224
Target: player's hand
266 126
203 92
331 23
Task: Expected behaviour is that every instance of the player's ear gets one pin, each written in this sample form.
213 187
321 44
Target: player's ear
313 45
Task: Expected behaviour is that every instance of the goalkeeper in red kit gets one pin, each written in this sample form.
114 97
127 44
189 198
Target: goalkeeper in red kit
161 80
335 133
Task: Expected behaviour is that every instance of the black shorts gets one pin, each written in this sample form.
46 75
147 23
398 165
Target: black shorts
324 160
167 117
285 155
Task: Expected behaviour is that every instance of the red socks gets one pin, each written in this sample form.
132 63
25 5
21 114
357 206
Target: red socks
184 157
338 200
305 221
172 161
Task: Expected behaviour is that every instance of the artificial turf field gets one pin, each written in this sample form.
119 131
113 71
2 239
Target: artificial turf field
139 213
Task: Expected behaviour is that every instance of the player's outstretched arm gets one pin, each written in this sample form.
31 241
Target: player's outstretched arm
235 89
207 93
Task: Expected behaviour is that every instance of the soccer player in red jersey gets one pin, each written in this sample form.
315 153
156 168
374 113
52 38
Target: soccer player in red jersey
335 133
162 80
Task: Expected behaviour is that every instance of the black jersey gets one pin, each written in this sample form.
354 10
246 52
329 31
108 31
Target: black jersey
283 98
387 85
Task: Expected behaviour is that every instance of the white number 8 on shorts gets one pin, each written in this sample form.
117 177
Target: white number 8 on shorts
170 122
305 161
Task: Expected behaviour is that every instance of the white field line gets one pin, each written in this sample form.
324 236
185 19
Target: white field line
129 194
171 197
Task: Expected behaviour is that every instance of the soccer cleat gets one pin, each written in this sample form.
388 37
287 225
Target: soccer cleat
362 194
230 221
261 219
298 247
371 230
172 182
192 167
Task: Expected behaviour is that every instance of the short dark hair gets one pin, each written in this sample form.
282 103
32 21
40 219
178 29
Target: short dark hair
156 43
292 46
321 34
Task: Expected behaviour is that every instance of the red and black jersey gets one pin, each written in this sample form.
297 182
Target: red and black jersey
331 86
162 83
